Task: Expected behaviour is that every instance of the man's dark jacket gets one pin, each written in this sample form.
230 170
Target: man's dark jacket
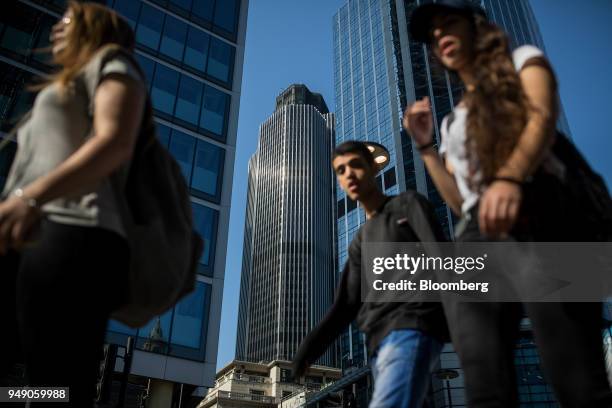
408 217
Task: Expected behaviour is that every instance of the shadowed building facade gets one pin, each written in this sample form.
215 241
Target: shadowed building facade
192 54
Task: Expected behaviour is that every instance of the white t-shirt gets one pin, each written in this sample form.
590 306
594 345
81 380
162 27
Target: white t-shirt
453 143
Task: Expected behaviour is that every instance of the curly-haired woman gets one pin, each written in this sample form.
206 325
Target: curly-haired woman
495 170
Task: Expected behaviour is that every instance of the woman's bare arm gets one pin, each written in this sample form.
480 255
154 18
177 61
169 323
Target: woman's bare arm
540 87
418 123
500 202
442 176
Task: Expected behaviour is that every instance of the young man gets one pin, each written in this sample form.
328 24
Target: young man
404 339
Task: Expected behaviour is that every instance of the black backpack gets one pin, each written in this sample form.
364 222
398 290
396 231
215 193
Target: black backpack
585 191
157 214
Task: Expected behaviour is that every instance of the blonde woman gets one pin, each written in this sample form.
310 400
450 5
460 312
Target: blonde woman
63 249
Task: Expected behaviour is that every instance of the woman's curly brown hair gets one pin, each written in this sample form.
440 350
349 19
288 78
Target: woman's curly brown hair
497 105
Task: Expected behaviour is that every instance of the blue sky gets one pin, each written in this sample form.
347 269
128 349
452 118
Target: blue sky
290 41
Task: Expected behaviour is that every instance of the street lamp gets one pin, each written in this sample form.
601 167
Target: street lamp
380 153
447 375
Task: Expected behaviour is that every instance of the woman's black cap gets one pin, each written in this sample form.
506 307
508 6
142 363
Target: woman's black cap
422 16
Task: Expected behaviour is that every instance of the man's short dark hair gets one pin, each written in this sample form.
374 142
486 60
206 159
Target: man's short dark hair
354 146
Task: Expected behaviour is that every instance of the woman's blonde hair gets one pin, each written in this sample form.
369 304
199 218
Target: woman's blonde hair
92 27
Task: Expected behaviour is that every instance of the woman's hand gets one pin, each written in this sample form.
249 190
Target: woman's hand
418 122
16 221
499 207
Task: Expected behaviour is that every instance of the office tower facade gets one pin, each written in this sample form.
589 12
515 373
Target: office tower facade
287 277
378 70
192 54
366 109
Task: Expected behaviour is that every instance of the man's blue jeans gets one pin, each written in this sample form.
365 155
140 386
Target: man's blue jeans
401 366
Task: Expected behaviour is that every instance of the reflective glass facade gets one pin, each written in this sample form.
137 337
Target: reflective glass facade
191 52
180 42
287 280
378 70
188 51
366 109
533 391
23 28
183 328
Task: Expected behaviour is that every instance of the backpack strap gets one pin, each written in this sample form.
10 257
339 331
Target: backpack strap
11 136
93 75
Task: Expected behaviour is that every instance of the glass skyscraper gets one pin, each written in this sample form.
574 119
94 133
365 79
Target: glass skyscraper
192 53
378 70
365 110
287 281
